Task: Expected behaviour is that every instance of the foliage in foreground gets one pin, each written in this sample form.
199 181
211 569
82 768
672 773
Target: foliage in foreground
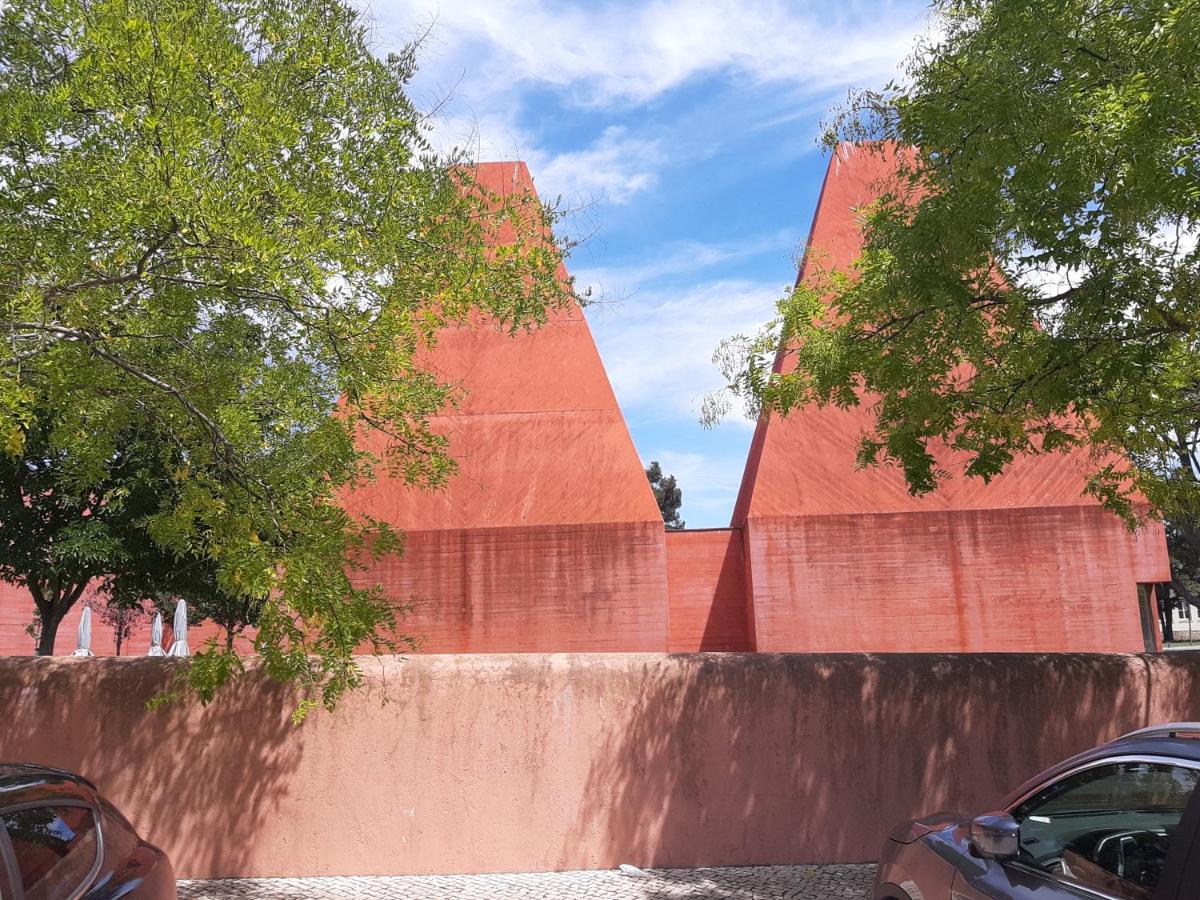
220 226
1028 281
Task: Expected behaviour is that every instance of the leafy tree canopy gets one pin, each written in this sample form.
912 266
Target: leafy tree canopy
221 218
1028 282
56 541
667 493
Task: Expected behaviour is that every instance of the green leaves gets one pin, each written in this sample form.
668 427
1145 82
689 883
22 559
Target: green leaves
222 221
1027 282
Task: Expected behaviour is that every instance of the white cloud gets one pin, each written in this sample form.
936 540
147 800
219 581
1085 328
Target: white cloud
609 53
678 258
614 168
481 59
658 351
605 99
709 482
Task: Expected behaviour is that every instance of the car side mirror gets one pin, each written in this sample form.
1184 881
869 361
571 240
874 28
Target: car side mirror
996 836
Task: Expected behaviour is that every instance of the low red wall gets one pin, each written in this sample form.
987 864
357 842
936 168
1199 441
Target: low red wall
581 588
706 586
508 763
1041 579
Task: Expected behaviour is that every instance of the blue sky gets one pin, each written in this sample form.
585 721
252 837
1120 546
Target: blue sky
682 135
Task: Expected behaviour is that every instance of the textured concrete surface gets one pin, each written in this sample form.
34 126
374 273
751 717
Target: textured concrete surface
566 762
706 585
759 883
548 537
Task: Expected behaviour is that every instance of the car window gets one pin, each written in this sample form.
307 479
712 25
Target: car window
55 848
1108 827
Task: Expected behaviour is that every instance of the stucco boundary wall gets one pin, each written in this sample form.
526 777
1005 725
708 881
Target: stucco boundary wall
493 763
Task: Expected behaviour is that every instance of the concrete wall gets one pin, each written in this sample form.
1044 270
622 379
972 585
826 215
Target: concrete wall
548 537
706 589
953 581
503 763
1025 561
574 588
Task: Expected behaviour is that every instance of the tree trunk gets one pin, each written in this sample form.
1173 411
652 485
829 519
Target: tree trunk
49 633
1165 612
53 602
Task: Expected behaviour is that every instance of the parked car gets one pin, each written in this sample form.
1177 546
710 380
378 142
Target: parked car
1120 822
61 840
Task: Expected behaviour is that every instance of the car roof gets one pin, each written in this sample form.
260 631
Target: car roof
1187 748
25 782
1177 740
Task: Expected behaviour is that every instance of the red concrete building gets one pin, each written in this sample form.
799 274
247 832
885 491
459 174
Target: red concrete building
839 558
549 539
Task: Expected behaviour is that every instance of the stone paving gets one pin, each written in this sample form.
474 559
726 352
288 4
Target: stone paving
757 883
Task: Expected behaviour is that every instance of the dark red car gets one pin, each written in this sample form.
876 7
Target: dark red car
60 840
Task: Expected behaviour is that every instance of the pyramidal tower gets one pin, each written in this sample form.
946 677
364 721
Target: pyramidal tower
843 558
548 538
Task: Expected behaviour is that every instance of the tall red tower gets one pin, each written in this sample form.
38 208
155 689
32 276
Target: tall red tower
840 558
548 538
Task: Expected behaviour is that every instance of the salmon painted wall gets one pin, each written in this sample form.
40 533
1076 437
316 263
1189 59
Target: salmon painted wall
844 558
485 763
706 584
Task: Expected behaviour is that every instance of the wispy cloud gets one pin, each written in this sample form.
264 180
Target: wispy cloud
609 53
482 59
614 168
709 481
658 351
678 259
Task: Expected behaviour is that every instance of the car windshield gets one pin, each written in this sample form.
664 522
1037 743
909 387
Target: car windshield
1108 827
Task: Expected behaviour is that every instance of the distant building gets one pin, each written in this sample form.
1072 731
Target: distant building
549 539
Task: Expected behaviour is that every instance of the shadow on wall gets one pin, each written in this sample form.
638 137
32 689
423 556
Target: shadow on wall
788 758
198 782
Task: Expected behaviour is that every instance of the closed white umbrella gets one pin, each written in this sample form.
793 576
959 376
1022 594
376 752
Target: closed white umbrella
156 637
179 646
84 643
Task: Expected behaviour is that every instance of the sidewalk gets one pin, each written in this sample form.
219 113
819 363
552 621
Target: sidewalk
759 883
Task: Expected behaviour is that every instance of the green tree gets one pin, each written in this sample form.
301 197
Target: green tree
55 541
123 618
668 495
221 217
1028 281
207 601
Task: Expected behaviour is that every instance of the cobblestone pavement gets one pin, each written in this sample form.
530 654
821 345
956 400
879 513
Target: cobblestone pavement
758 883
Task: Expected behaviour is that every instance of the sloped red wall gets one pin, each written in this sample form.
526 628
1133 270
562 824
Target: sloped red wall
549 539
